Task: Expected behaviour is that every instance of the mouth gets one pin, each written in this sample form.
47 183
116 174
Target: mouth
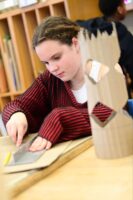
60 75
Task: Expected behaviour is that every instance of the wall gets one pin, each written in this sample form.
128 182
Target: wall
128 21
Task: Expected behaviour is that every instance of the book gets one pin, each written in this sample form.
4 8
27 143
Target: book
8 65
23 3
3 80
6 4
14 65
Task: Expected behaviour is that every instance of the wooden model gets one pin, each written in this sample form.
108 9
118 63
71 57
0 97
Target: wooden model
112 138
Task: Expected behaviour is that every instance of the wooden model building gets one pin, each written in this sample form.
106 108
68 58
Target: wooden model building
106 85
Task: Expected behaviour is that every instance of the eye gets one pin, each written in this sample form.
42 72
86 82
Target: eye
56 57
45 63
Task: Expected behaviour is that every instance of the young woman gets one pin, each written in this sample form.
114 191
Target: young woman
55 105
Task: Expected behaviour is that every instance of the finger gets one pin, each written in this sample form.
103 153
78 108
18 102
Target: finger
20 134
12 132
48 145
37 142
42 145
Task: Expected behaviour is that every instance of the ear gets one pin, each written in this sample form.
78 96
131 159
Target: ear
120 9
121 12
75 42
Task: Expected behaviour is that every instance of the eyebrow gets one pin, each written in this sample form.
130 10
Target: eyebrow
44 62
53 56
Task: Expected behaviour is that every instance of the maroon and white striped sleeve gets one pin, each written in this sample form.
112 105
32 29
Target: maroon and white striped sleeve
69 123
33 103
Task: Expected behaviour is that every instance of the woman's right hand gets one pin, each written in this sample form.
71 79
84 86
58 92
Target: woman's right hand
17 127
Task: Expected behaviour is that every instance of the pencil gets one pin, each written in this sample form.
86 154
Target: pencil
7 158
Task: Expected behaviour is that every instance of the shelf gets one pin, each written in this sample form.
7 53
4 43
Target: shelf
58 9
42 12
21 64
9 94
30 23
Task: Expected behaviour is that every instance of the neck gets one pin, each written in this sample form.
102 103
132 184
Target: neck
77 82
114 18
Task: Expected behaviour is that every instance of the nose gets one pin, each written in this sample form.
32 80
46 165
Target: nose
52 67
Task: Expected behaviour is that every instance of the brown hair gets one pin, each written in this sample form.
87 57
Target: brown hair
61 29
109 7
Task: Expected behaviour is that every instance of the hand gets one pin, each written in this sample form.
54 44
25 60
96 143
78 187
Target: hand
17 127
40 144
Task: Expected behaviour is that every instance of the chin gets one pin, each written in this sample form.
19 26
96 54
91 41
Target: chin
64 79
122 17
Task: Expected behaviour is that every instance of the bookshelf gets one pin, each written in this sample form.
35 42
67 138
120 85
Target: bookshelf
19 61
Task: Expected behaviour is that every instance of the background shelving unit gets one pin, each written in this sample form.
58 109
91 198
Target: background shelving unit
19 25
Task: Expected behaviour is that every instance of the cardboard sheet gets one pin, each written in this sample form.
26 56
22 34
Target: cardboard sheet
45 160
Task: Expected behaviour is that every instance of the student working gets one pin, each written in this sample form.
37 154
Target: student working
55 105
115 11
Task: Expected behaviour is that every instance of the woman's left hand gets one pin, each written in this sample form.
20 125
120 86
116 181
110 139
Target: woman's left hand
40 144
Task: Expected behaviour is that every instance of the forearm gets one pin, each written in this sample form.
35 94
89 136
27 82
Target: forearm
65 124
9 110
69 123
33 103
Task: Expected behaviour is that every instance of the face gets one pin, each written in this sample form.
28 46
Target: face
61 60
122 11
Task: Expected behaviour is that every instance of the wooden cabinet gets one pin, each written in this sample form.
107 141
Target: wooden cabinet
20 63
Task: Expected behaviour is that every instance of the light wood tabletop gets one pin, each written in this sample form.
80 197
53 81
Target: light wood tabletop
86 178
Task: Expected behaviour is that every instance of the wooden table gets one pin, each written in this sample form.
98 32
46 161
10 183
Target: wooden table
86 178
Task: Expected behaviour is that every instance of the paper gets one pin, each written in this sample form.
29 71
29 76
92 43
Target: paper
24 156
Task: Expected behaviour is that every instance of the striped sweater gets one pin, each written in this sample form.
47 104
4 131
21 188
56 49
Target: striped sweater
52 110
